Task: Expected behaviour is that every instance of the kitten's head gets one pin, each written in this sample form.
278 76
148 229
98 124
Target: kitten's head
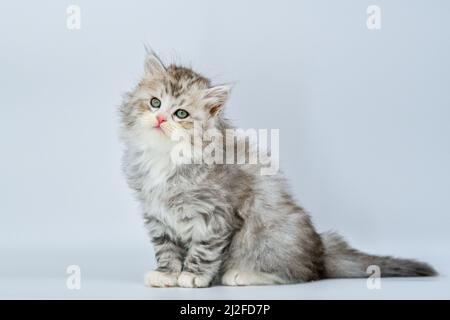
167 99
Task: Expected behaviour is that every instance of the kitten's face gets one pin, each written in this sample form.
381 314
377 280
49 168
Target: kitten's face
169 99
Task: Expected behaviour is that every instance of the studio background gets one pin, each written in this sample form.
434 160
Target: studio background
363 118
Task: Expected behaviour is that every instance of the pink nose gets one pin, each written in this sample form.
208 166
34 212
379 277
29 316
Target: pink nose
160 119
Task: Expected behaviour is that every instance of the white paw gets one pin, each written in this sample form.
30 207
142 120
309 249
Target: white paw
189 280
160 279
230 278
235 277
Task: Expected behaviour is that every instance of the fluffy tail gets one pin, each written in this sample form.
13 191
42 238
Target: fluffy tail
342 261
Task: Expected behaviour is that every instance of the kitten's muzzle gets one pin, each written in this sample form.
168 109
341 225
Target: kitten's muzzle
160 119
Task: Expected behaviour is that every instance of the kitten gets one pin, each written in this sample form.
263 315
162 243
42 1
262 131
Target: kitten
216 223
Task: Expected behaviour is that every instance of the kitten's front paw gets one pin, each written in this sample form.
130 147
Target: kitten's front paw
190 280
160 279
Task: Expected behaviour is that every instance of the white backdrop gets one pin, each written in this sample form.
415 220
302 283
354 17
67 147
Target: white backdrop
363 118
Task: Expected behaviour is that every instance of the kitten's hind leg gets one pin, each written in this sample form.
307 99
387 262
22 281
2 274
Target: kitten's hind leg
235 277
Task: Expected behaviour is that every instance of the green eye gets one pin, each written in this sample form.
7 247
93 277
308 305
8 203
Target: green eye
182 114
155 103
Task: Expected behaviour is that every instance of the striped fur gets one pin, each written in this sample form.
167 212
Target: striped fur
222 223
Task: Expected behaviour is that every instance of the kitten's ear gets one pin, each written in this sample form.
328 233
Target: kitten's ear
216 97
153 65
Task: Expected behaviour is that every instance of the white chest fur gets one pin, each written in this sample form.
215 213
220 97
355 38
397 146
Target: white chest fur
153 172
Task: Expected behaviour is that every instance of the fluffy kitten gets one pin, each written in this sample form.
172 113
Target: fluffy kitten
219 223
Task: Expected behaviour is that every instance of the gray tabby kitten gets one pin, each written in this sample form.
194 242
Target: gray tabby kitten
222 223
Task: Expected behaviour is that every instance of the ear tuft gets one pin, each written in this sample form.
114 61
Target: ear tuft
216 97
153 65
